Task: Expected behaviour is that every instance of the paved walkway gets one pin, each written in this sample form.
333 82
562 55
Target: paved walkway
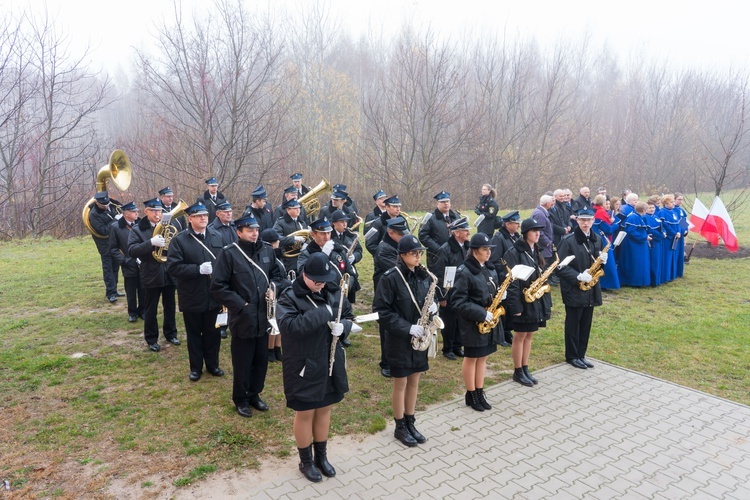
603 433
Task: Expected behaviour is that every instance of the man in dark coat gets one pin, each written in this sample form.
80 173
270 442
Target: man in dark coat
290 193
211 198
541 215
451 254
223 225
504 239
434 233
297 183
101 216
119 234
586 246
190 262
352 248
583 200
338 198
259 208
154 277
379 198
166 196
378 227
320 236
241 277
560 216
285 227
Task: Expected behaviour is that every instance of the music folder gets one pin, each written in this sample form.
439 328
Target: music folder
450 277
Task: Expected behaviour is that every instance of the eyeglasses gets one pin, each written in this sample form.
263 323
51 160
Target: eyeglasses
318 283
416 253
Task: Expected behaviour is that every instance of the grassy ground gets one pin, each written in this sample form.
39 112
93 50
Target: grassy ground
71 426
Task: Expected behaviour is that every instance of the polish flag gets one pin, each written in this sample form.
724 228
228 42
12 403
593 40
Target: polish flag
698 223
718 217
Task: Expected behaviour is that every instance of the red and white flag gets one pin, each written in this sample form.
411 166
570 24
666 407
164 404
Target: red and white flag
718 217
698 223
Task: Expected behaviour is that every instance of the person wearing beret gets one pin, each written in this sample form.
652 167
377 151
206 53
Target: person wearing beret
285 227
399 300
297 183
477 283
241 276
223 225
434 233
157 283
504 239
259 208
526 317
312 317
346 238
379 198
166 196
290 193
101 216
119 234
452 253
192 254
586 245
211 198
487 206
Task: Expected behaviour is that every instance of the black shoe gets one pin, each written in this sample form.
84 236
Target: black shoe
223 333
154 347
346 342
504 344
482 399
244 411
142 317
271 356
520 377
473 400
418 437
174 341
195 376
112 299
217 372
528 375
120 294
402 433
459 352
577 363
588 363
321 460
132 318
386 372
307 466
277 353
259 405
450 356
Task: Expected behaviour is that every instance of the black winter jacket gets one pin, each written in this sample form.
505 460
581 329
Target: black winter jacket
475 288
210 204
576 244
228 233
101 222
534 312
434 233
449 254
119 234
503 242
384 259
183 263
153 273
284 227
488 206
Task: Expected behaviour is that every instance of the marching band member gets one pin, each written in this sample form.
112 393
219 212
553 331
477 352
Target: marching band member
166 196
190 262
399 300
101 216
290 193
504 239
392 210
379 198
297 183
259 208
346 238
223 225
211 198
434 233
338 198
487 206
477 282
119 234
307 314
287 225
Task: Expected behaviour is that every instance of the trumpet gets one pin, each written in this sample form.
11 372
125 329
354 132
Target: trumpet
271 308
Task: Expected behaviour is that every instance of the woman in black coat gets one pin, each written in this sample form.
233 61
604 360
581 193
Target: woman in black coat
526 317
399 308
306 314
476 285
487 206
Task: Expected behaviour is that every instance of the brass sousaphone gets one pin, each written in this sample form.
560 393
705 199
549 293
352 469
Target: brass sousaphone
120 172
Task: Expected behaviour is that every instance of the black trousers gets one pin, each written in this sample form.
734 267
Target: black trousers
110 272
151 305
136 295
203 339
383 346
577 330
451 333
250 364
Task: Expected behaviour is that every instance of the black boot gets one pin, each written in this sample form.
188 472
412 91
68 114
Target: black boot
528 375
520 377
482 399
418 437
402 433
271 356
306 465
321 461
473 400
277 353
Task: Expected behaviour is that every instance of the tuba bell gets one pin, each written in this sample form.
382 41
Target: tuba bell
120 172
296 249
167 230
310 200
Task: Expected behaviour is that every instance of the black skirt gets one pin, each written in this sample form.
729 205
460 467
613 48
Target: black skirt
532 326
398 372
479 352
329 399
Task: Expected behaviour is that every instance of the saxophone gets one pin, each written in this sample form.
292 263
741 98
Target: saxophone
495 308
539 287
595 270
430 325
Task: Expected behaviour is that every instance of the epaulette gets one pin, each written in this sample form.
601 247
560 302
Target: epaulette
389 271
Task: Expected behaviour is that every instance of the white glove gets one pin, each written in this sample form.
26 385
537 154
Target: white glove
489 316
584 276
337 329
138 261
505 296
158 241
207 268
299 239
351 259
432 309
118 216
328 247
604 257
416 331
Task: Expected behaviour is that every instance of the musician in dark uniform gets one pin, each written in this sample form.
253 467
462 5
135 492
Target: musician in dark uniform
399 301
119 234
166 196
101 216
259 208
212 198
223 225
434 233
190 262
337 203
477 283
379 198
269 237
320 241
350 206
241 276
285 227
392 210
526 317
353 250
451 254
297 183
154 277
307 314
504 239
290 193
487 206
586 246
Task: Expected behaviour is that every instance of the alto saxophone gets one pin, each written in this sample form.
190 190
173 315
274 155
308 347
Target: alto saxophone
495 307
596 270
539 287
430 325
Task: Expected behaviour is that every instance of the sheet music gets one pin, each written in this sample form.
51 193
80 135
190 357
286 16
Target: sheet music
567 260
620 236
521 272
366 317
479 220
165 218
450 276
372 232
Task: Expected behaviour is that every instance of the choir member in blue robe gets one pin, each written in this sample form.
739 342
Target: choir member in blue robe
633 266
678 199
606 225
671 225
658 236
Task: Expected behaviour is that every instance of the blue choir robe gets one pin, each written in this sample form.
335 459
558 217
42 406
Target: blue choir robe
626 209
633 266
610 280
656 252
671 225
680 250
